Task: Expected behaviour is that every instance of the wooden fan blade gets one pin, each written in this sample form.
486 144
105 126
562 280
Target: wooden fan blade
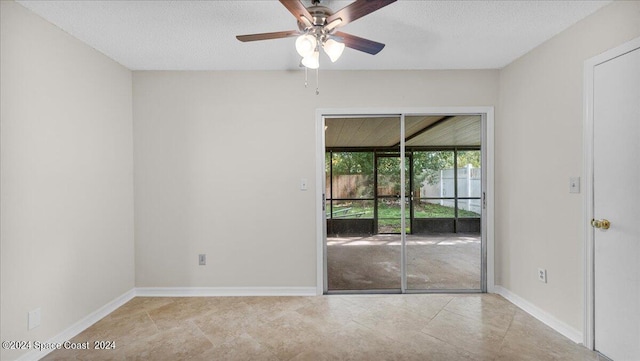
358 43
296 8
358 9
267 36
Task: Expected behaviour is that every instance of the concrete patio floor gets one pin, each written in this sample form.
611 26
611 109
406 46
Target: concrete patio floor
434 262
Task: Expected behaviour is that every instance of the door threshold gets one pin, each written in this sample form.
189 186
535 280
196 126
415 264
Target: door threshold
399 292
365 292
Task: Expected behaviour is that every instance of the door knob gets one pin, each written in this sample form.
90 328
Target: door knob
600 223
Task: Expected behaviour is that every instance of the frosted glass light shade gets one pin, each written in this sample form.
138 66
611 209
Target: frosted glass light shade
312 61
334 49
306 45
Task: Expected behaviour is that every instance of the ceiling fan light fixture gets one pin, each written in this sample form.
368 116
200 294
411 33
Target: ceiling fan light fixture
306 45
317 25
333 49
312 61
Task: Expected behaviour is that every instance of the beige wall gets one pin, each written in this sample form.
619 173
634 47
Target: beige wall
538 147
66 177
219 157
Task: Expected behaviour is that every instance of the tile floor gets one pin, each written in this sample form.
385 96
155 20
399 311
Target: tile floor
337 327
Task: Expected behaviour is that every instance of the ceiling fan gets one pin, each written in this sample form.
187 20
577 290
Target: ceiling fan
317 28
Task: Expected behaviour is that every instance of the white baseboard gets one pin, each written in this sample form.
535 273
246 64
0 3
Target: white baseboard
224 291
81 325
543 316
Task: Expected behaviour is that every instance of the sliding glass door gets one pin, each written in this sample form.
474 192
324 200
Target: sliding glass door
404 226
363 241
444 247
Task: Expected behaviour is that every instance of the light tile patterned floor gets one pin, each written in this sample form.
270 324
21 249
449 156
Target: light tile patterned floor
337 327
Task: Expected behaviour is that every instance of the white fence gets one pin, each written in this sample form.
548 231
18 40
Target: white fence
469 185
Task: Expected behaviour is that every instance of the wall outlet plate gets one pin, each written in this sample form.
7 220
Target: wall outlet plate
34 318
542 275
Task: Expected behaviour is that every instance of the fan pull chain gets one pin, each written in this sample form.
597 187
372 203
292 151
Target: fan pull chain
306 79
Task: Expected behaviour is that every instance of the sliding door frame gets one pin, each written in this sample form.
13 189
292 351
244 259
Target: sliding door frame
487 116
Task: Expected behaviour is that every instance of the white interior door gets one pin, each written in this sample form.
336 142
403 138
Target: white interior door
616 182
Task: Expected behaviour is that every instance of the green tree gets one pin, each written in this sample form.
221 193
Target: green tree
353 163
469 157
426 165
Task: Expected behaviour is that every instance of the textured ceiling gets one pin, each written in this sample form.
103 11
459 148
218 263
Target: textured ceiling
200 35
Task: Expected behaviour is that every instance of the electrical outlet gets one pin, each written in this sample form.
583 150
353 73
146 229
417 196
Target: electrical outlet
34 318
202 259
542 275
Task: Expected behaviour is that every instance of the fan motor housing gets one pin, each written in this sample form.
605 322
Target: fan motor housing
319 14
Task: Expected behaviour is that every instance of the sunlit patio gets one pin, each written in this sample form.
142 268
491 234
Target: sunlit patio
434 262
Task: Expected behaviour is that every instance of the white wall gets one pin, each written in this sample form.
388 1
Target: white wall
66 177
538 147
219 157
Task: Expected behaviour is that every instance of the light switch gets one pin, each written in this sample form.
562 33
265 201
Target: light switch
574 185
303 184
